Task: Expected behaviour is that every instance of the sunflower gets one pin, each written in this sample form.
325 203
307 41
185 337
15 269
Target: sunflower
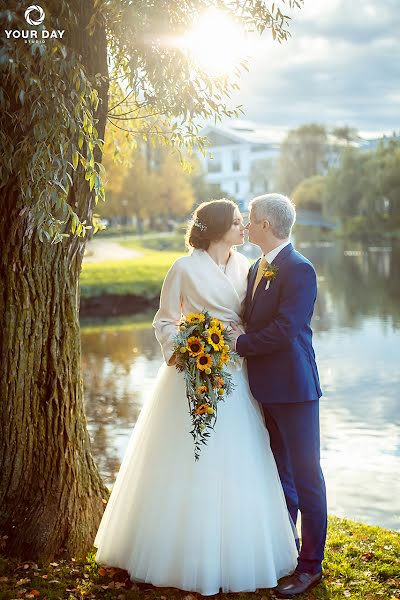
215 338
194 346
216 323
195 318
224 358
204 361
218 382
202 389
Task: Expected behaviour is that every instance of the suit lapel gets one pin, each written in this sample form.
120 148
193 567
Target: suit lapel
278 260
253 276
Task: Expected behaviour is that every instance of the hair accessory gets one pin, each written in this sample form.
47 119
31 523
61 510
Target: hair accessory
199 224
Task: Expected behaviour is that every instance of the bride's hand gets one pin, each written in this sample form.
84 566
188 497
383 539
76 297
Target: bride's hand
235 333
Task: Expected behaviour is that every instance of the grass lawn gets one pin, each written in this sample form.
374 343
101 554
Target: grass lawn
142 276
362 563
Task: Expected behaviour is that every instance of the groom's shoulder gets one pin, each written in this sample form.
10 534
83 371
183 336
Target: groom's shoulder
299 260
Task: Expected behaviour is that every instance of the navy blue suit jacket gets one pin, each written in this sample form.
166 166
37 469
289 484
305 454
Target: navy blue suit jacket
278 338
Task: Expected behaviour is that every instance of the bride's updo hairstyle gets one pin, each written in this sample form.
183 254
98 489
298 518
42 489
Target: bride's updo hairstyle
210 221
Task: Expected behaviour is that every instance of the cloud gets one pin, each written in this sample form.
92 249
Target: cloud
339 67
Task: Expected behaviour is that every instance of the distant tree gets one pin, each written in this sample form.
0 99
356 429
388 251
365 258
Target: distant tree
345 134
381 193
261 176
310 193
146 186
366 186
304 153
345 184
175 196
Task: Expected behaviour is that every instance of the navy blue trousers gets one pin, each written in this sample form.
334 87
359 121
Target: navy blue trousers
295 443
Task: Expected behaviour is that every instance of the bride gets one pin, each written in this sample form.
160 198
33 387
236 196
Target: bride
220 522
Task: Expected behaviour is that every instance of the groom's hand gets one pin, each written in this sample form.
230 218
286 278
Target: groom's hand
236 332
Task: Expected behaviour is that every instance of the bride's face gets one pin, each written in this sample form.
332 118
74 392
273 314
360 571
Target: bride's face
235 235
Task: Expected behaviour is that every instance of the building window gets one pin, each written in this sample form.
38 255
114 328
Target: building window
235 160
214 165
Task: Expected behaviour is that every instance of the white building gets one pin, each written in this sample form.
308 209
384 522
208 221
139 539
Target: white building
238 163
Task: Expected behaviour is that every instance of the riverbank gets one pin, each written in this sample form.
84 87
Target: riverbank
126 277
362 563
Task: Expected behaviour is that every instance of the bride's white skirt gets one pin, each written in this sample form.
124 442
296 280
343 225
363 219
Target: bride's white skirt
221 522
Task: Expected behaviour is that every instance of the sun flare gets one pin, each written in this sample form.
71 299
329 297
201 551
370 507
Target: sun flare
216 43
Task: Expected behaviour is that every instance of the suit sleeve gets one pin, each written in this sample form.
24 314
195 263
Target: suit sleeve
170 312
295 310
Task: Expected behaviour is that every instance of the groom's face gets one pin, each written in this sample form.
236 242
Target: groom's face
255 229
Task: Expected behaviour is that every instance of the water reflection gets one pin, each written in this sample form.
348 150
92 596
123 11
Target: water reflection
356 324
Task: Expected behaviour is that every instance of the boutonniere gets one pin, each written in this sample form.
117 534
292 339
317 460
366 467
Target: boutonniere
269 274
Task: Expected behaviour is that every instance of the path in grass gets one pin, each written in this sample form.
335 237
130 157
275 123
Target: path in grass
99 250
132 269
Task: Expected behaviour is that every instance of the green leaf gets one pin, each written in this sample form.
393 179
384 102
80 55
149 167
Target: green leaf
75 159
92 180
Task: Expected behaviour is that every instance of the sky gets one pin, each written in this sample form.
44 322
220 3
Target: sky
340 67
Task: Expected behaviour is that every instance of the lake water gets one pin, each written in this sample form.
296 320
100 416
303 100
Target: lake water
357 343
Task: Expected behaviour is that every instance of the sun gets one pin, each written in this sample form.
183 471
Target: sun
216 43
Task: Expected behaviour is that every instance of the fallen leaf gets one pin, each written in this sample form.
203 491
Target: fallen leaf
26 566
367 556
35 592
22 581
346 593
54 564
45 576
189 597
102 572
3 579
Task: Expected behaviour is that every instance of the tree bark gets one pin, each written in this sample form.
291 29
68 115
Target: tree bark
51 494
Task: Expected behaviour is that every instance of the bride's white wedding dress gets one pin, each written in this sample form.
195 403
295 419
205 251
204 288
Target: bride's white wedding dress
220 522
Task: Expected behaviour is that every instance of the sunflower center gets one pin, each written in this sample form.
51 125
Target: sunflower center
203 360
195 347
215 338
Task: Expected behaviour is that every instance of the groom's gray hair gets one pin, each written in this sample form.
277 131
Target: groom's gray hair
279 210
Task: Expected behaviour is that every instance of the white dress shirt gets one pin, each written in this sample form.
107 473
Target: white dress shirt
270 256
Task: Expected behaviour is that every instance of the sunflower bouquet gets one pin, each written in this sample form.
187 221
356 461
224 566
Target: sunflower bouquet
201 348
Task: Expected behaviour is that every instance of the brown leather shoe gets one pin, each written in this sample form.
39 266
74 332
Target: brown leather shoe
296 584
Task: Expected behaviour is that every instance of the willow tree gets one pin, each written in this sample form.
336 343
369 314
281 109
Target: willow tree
108 59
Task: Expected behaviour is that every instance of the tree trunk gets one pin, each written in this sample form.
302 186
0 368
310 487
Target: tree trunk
51 495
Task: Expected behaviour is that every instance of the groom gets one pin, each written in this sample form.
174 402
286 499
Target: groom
283 376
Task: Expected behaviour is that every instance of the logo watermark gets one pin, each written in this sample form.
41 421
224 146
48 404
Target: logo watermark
38 19
34 15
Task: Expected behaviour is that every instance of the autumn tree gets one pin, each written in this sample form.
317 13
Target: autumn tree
114 61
